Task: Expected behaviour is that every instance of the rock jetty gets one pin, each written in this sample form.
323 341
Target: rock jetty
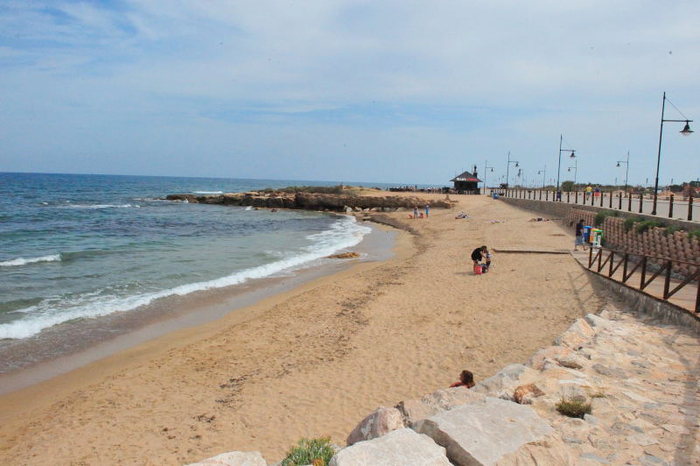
640 377
313 201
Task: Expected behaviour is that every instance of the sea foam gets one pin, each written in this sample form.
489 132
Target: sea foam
344 233
30 260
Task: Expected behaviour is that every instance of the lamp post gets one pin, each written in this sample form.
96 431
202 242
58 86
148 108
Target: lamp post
508 169
486 162
543 172
627 167
575 167
686 131
561 140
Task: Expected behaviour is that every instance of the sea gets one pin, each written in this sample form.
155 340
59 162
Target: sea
75 249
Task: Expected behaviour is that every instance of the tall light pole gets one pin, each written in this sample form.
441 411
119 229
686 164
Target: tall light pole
486 162
561 140
508 169
627 169
575 167
543 172
686 131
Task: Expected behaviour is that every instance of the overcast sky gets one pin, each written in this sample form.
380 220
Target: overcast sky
391 91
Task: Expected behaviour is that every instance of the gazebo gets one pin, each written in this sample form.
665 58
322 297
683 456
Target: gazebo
466 183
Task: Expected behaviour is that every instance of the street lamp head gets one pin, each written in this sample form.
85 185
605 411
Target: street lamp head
569 169
516 164
686 131
573 156
618 164
492 170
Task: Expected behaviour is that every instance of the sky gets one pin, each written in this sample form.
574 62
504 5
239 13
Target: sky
394 91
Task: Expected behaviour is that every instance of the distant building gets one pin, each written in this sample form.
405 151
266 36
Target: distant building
467 183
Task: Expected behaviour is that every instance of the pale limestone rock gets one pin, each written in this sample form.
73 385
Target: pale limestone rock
485 431
502 385
436 402
401 447
234 458
537 362
550 451
379 422
597 322
579 334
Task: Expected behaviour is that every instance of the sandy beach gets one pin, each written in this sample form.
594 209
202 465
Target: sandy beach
314 360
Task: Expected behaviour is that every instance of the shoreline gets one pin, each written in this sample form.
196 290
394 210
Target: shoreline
125 330
315 360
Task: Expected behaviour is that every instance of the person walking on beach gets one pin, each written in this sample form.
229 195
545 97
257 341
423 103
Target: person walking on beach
427 210
579 236
415 212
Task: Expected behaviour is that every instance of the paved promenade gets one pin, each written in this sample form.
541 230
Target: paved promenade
680 208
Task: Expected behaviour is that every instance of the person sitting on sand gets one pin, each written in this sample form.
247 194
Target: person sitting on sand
539 219
461 215
466 379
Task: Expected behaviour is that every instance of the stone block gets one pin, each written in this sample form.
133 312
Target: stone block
436 402
381 421
485 431
503 384
398 448
578 335
537 361
234 458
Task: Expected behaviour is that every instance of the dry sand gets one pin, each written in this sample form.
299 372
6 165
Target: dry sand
316 360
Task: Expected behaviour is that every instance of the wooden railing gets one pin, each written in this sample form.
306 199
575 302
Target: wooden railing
604 257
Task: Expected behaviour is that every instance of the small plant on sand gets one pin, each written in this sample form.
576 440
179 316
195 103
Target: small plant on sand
574 407
599 394
671 229
317 451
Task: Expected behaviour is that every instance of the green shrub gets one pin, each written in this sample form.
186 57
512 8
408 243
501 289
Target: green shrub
574 407
630 221
317 451
694 234
671 229
600 217
647 224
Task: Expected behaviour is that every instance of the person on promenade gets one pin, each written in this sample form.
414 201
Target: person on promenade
589 191
427 210
579 236
478 255
466 379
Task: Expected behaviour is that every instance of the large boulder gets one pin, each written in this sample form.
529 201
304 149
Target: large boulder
436 402
485 431
234 458
504 382
578 335
381 421
398 448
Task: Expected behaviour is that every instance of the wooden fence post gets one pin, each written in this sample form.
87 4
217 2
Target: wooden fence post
690 214
641 202
670 206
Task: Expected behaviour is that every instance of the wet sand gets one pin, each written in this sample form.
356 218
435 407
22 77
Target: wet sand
313 360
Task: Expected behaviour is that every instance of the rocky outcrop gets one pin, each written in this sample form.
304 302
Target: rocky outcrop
312 201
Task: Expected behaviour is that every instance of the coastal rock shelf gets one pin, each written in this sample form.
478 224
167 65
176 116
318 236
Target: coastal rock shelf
312 201
641 378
